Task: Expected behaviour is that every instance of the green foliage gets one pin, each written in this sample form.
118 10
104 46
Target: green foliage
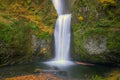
33 26
105 23
5 29
44 35
14 41
98 78
101 18
114 75
107 3
19 20
114 41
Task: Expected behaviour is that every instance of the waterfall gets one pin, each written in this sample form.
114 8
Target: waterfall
62 37
61 6
62 33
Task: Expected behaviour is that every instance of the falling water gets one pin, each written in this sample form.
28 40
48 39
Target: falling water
62 37
62 33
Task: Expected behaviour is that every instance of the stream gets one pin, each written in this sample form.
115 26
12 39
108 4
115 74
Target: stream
76 71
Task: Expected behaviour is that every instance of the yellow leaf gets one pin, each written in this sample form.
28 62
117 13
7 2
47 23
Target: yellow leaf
43 50
80 18
109 1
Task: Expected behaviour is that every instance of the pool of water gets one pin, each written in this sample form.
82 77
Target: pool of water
75 71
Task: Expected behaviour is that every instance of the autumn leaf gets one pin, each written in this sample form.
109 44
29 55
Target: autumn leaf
109 1
80 18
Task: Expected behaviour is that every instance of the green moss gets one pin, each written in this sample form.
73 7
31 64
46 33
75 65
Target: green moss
114 41
98 78
114 75
32 26
15 43
97 21
17 28
81 35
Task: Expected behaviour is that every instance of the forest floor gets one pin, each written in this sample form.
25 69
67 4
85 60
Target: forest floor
41 76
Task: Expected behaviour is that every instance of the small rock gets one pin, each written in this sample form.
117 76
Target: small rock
37 70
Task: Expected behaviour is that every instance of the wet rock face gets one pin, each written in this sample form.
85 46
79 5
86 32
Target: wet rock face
97 49
95 39
41 47
71 3
96 45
